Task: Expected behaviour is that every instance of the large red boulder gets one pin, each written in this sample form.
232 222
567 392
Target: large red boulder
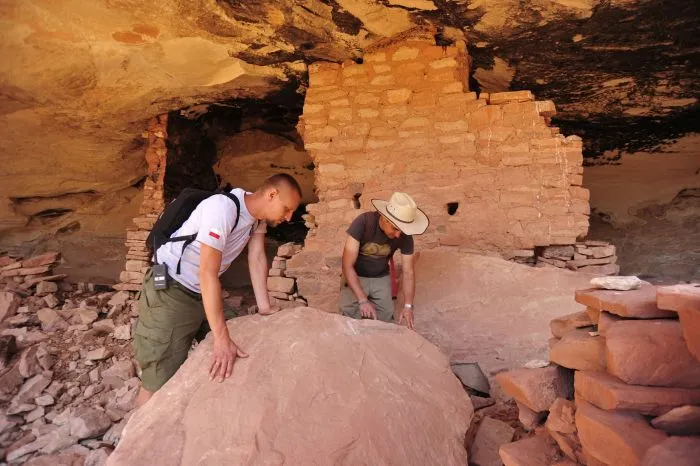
317 388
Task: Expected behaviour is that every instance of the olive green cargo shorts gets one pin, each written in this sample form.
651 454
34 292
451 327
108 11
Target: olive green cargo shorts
378 291
169 321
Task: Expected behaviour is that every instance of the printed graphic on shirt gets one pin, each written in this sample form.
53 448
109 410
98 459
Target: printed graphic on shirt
375 250
215 233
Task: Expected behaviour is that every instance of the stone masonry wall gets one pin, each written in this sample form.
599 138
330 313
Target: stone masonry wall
404 120
137 256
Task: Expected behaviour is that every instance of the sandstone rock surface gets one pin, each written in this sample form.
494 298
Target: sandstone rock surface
533 451
535 388
685 300
615 437
608 392
317 388
638 304
579 350
684 420
491 436
564 324
651 353
676 451
501 318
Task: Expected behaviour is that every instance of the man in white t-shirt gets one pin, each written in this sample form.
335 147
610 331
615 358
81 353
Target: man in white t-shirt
169 319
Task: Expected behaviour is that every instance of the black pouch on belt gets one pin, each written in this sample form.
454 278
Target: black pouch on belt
160 277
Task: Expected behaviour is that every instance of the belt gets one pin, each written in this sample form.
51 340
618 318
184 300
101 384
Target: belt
176 284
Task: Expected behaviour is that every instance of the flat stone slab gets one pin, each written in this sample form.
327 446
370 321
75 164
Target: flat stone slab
651 352
608 392
638 304
615 437
579 350
564 324
677 297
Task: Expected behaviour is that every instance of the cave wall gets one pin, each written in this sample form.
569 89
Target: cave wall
404 120
648 205
247 158
80 82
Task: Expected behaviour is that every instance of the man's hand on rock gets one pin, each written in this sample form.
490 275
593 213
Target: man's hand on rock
224 357
367 310
269 311
406 318
263 311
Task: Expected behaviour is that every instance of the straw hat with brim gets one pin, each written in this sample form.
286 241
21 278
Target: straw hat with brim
401 210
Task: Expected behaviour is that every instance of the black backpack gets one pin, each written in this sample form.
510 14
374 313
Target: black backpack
176 213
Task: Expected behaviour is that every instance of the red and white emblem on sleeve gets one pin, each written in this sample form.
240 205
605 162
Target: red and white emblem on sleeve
215 233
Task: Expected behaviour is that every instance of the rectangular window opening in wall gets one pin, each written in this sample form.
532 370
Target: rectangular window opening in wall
452 207
356 200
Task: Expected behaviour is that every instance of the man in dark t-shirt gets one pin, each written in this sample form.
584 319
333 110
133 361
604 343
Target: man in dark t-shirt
373 237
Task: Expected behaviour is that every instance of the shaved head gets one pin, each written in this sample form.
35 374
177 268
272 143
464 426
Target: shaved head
282 181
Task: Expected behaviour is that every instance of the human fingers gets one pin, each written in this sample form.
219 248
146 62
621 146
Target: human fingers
229 367
214 368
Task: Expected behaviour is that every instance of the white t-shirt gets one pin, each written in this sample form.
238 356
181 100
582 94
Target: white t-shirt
212 221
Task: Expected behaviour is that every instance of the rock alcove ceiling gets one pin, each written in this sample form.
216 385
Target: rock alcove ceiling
79 82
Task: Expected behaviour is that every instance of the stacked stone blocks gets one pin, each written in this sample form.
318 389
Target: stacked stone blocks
489 171
624 384
138 255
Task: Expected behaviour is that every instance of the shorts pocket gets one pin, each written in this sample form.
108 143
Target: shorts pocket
150 297
151 344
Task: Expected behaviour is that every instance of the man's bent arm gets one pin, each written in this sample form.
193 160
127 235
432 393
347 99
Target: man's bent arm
257 265
350 253
409 278
210 263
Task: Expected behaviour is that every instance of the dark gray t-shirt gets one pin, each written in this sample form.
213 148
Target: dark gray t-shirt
375 247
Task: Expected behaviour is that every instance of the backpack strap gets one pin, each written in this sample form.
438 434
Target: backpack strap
188 239
238 207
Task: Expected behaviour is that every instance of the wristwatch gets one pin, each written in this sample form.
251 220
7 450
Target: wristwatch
362 301
408 306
